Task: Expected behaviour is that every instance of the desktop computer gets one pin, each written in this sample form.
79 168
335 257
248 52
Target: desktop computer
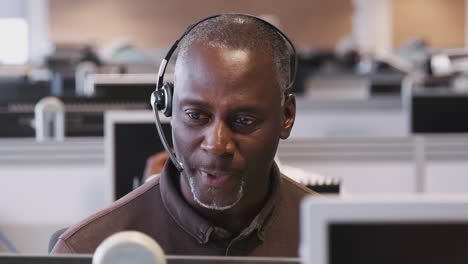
376 229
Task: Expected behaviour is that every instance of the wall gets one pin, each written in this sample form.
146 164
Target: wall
157 23
35 13
38 21
440 22
372 26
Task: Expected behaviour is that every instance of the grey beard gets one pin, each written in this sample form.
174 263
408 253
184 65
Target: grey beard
214 205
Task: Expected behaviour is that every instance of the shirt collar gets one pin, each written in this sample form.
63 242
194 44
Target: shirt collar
200 228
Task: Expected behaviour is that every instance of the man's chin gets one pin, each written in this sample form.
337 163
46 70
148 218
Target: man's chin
214 198
213 205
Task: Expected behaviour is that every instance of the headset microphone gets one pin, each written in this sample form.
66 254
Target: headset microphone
161 98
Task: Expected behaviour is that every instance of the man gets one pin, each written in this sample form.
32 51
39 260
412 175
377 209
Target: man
230 109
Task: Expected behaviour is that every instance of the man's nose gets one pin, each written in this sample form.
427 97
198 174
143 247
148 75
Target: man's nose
218 140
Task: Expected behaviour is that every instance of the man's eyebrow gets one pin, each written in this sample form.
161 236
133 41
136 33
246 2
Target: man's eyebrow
249 108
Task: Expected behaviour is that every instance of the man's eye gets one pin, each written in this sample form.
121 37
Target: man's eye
196 117
244 121
193 115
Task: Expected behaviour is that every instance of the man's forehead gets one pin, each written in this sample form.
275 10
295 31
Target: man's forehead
232 62
213 50
198 93
227 69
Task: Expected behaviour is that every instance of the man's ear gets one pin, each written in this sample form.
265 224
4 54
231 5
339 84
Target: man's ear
288 115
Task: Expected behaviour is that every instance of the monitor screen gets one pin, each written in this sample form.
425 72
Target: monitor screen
439 114
385 243
17 90
133 144
124 92
25 259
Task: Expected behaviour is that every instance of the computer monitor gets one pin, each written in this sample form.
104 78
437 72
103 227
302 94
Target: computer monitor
412 229
385 83
438 111
20 89
36 259
121 87
130 138
124 92
87 259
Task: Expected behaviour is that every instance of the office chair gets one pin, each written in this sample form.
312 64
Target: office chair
54 238
5 245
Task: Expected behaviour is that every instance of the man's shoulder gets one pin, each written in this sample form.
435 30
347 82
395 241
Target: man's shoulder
88 233
282 232
291 187
292 193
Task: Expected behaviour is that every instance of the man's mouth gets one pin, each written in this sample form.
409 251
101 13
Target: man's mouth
215 178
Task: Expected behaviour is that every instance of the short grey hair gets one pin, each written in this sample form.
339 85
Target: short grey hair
243 32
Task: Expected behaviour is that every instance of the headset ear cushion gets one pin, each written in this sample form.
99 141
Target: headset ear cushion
168 90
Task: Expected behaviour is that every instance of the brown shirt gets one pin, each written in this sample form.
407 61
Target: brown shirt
158 209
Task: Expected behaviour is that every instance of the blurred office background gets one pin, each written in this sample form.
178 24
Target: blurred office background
382 96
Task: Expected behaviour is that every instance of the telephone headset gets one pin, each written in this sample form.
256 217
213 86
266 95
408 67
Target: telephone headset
161 98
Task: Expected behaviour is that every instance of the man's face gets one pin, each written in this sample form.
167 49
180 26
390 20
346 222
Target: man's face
227 121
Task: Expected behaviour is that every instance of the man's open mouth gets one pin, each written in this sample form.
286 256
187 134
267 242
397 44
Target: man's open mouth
215 178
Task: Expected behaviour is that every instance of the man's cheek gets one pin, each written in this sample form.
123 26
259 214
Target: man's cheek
183 144
264 153
179 141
